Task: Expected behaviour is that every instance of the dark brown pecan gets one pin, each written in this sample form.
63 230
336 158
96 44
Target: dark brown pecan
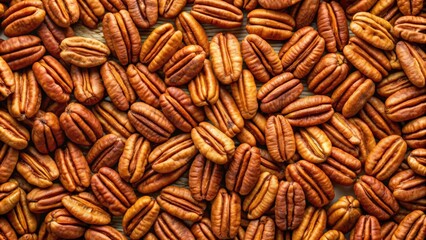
44 200
6 230
133 160
23 18
84 52
150 122
289 205
52 36
413 226
113 120
169 227
139 218
313 144
328 73
10 195
117 85
62 12
21 218
114 5
315 183
410 28
193 32
173 154
280 138
313 224
103 233
367 227
414 133
8 160
61 224
269 24
332 26
302 52
21 52
412 60
90 12
352 94
160 46
263 228
304 12
6 79
375 198
204 178
244 169
80 125
226 214
143 12
406 104
122 36
79 205
387 229
344 214
393 83
309 111
112 192
408 187
88 86
46 133
244 92
13 133
105 152
39 170
219 13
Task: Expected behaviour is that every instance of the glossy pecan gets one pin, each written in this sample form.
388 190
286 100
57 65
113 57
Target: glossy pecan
413 226
169 227
103 233
90 12
414 133
113 120
6 230
328 73
10 195
6 80
289 205
122 36
393 83
52 36
8 160
309 111
79 205
38 169
62 12
139 218
219 13
277 5
387 229
204 178
144 13
304 12
410 7
23 18
367 140
315 183
105 152
313 144
375 198
332 26
366 227
313 224
344 214
117 85
61 224
204 89
410 28
147 85
160 46
244 93
280 138
333 235
412 62
21 218
406 104
170 8
267 164
80 125
84 52
44 200
375 7
269 24
226 214
193 32
112 192
302 52
46 133
21 52
202 229
417 161
263 228
88 87
133 160
253 132
114 5
407 186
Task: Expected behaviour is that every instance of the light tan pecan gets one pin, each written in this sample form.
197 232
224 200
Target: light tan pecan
8 160
21 218
84 52
91 11
134 158
139 218
313 144
344 213
10 195
313 224
79 205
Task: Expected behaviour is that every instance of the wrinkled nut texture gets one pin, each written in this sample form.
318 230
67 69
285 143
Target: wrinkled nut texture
21 218
52 36
313 224
193 32
309 111
313 144
244 92
169 227
226 214
410 7
170 8
219 13
114 5
22 51
8 160
417 161
91 12
47 134
6 230
304 12
103 233
12 132
23 18
144 15
409 28
60 223
263 228
412 62
62 12
413 226
79 205
204 178
392 83
254 131
269 24
289 205
407 104
202 229
387 229
6 79
277 5
113 120
407 186
344 214
84 52
204 89
10 195
88 86
134 159
332 26
280 138
105 152
153 181
367 227
43 200
333 235
139 218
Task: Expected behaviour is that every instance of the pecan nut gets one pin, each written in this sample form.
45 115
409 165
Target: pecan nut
103 233
23 18
313 144
114 5
219 13
277 5
21 218
366 226
269 24
410 28
144 13
90 12
309 111
280 138
193 32
62 12
88 87
47 134
21 52
7 230
405 230
6 79
8 160
10 196
169 227
105 152
344 214
407 104
226 214
332 26
84 52
204 89
44 200
289 205
139 218
79 205
304 12
244 92
61 224
113 120
133 160
412 62
263 228
313 224
52 36
393 83
170 8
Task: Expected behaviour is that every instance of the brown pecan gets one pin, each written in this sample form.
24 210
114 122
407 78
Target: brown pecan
410 28
21 52
375 7
244 93
226 214
10 195
375 198
332 26
412 62
204 178
133 160
170 8
62 12
344 214
150 122
244 169
375 117
367 227
352 94
244 4
21 218
8 160
289 205
23 18
44 200
114 5
393 83
410 7
22 182
105 152
202 230
277 5
315 183
263 228
169 227
117 85
409 189
46 133
386 157
173 154
90 12
139 218
113 120
6 79
193 32
144 13
262 197
406 104
333 235
269 24
204 89
79 205
147 85
80 125
302 52
309 111
84 52
260 58
387 229
417 161
88 87
122 36
304 12
52 36
39 170
267 164
112 192
313 224
313 144
6 230
370 61
160 46
341 167
226 57
328 73
280 138
219 13
103 233
413 226
279 92
367 141
61 224
254 131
